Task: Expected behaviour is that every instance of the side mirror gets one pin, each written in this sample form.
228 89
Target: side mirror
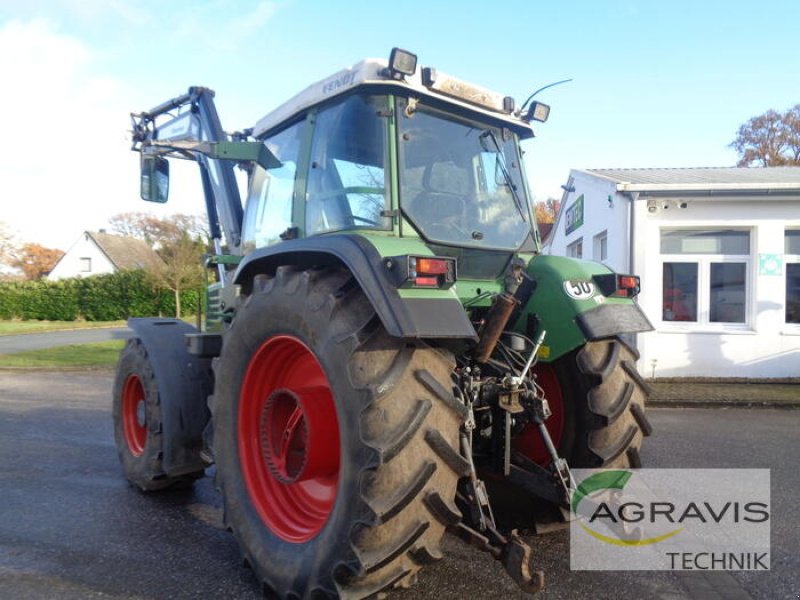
154 179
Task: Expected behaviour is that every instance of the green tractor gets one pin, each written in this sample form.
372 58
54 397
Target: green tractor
387 355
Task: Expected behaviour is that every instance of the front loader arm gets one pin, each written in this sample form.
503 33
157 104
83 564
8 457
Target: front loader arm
196 133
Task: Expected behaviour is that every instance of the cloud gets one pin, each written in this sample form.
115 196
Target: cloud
83 12
64 160
243 27
230 31
131 13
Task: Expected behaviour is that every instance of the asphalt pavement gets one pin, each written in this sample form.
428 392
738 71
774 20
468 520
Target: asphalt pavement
11 344
72 528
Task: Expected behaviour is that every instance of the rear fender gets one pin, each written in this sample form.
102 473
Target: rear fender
184 384
570 306
439 315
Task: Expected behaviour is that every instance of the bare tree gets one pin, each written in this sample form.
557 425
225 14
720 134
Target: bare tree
792 120
8 245
182 268
769 140
159 231
179 239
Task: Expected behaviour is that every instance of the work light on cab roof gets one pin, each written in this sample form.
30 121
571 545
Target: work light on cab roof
404 63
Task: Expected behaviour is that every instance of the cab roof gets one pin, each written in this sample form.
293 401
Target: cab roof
374 72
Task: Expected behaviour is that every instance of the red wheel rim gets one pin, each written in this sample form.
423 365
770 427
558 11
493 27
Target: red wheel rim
529 442
289 439
134 418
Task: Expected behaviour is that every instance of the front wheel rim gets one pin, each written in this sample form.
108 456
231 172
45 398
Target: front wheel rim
134 418
289 447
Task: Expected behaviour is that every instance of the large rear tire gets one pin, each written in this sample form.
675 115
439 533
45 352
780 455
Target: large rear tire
603 405
335 444
610 397
136 413
597 398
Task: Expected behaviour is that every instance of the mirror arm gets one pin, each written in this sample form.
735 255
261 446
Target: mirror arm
238 151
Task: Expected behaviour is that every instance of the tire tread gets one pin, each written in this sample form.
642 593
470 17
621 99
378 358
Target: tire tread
614 421
406 494
401 397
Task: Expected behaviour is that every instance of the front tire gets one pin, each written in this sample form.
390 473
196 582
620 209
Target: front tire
136 412
335 443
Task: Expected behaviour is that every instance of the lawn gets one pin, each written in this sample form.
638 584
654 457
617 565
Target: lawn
101 354
16 327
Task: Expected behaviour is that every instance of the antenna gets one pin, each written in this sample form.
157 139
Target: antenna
541 89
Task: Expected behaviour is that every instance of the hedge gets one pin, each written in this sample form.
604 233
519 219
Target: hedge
112 297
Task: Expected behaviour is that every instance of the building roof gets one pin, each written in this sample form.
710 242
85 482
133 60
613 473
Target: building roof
721 180
545 229
126 252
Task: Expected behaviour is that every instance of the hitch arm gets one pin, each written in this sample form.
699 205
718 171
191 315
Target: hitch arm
515 555
512 552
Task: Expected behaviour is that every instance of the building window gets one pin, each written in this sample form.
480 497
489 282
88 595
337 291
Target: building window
86 265
600 247
705 275
680 292
791 242
575 249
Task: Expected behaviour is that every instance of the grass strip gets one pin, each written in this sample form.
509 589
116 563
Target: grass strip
100 354
15 327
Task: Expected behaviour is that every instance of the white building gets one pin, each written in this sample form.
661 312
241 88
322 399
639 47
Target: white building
718 252
100 253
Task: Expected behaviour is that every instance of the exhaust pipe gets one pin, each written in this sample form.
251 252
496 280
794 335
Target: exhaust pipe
494 325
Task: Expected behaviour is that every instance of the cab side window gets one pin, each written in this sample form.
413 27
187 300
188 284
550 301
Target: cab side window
346 178
269 202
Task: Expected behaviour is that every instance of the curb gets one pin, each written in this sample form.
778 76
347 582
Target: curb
780 394
744 404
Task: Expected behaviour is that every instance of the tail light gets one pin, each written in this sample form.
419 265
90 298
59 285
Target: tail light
615 285
422 271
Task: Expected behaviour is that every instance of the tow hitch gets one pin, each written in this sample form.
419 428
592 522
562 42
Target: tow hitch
512 396
512 551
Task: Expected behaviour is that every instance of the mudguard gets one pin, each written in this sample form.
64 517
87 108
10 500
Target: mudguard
184 384
413 318
570 305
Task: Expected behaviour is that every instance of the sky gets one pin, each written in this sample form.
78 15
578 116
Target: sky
655 84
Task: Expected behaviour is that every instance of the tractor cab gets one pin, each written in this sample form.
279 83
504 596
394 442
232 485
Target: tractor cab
406 154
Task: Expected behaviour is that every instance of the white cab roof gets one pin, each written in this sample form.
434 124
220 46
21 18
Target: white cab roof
373 72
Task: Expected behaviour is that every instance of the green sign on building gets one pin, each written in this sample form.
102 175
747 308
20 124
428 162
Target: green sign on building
574 215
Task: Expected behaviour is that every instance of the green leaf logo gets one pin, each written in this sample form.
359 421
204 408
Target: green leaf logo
611 480
599 481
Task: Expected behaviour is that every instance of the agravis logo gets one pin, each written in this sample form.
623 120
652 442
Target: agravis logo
670 519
